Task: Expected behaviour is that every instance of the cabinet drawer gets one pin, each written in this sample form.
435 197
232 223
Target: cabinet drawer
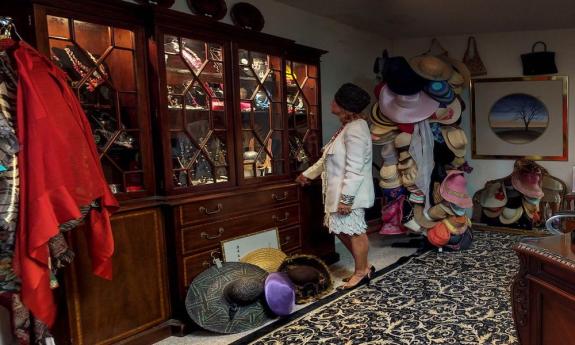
196 264
290 238
200 237
208 210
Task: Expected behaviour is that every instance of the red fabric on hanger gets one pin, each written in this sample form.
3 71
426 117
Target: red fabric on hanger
59 172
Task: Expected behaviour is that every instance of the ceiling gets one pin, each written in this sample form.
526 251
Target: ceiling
425 18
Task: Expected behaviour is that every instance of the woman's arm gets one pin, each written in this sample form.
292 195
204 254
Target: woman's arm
315 170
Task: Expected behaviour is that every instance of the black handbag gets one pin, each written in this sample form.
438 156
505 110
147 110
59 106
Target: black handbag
542 62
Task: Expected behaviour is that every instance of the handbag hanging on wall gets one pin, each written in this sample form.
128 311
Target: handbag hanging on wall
542 62
472 59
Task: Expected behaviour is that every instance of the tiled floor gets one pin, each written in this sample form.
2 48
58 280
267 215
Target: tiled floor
381 254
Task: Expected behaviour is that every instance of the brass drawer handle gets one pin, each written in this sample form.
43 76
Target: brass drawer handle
281 220
280 198
205 235
215 254
287 239
208 212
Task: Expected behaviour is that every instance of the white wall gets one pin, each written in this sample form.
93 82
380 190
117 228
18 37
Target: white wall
500 53
350 56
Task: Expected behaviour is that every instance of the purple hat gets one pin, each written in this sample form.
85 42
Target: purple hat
280 293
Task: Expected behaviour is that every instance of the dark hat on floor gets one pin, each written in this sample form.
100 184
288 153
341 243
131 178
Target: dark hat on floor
229 298
352 98
310 276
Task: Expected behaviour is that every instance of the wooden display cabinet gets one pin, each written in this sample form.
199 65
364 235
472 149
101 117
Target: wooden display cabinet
201 128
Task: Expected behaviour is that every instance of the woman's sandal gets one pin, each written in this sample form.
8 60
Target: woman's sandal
371 272
365 280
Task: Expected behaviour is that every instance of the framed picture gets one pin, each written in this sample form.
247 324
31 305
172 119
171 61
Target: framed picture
236 248
520 117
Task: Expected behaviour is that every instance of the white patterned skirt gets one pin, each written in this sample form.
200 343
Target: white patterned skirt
349 224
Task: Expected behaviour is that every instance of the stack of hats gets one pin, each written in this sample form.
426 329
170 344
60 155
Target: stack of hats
233 297
426 87
514 201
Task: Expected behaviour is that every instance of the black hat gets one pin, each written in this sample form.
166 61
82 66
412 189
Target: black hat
352 98
401 79
442 154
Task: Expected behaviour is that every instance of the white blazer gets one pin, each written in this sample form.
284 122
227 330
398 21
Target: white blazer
345 168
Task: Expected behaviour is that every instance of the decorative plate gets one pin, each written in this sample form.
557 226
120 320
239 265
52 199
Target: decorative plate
247 16
216 9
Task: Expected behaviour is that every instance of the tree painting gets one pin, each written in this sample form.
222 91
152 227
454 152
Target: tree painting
518 118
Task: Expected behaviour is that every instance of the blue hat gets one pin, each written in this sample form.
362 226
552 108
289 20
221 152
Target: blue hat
440 91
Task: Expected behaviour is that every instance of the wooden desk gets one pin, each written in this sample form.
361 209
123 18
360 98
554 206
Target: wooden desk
543 292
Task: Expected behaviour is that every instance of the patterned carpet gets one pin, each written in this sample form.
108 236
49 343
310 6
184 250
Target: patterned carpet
434 298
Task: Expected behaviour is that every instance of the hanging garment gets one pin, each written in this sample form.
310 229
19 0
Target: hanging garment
8 175
60 172
421 149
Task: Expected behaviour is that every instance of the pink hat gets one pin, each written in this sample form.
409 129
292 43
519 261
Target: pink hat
454 189
406 108
527 183
391 217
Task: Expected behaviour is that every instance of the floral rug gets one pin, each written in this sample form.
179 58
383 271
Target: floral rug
432 298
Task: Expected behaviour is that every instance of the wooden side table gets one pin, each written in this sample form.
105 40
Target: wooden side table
543 292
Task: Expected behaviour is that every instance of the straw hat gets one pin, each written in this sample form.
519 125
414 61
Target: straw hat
404 155
431 67
437 198
493 196
383 139
447 114
437 213
377 117
409 175
381 130
510 215
458 162
422 218
402 140
552 189
446 206
388 172
268 259
405 164
455 139
461 76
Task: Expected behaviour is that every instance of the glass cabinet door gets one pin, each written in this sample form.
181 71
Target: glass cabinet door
101 63
262 115
302 98
196 112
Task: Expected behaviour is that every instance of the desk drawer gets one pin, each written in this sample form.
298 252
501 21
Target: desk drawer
290 238
211 209
196 264
200 237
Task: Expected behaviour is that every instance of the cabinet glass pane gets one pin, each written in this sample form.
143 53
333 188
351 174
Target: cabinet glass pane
196 110
100 61
302 98
262 114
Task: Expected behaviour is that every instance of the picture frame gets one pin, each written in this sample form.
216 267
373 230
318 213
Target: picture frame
521 117
236 248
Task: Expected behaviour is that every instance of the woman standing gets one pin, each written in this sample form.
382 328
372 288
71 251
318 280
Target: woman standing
345 169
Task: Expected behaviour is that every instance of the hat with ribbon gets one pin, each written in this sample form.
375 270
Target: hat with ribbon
457 210
431 67
440 91
389 177
383 139
401 78
310 276
409 175
454 189
406 108
447 114
530 209
377 118
381 130
228 298
438 212
438 235
455 139
457 225
493 196
405 161
527 183
417 197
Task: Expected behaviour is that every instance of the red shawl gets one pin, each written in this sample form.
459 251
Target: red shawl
59 172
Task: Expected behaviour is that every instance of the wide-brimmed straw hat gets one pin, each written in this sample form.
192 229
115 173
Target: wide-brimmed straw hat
422 218
447 114
431 67
455 139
